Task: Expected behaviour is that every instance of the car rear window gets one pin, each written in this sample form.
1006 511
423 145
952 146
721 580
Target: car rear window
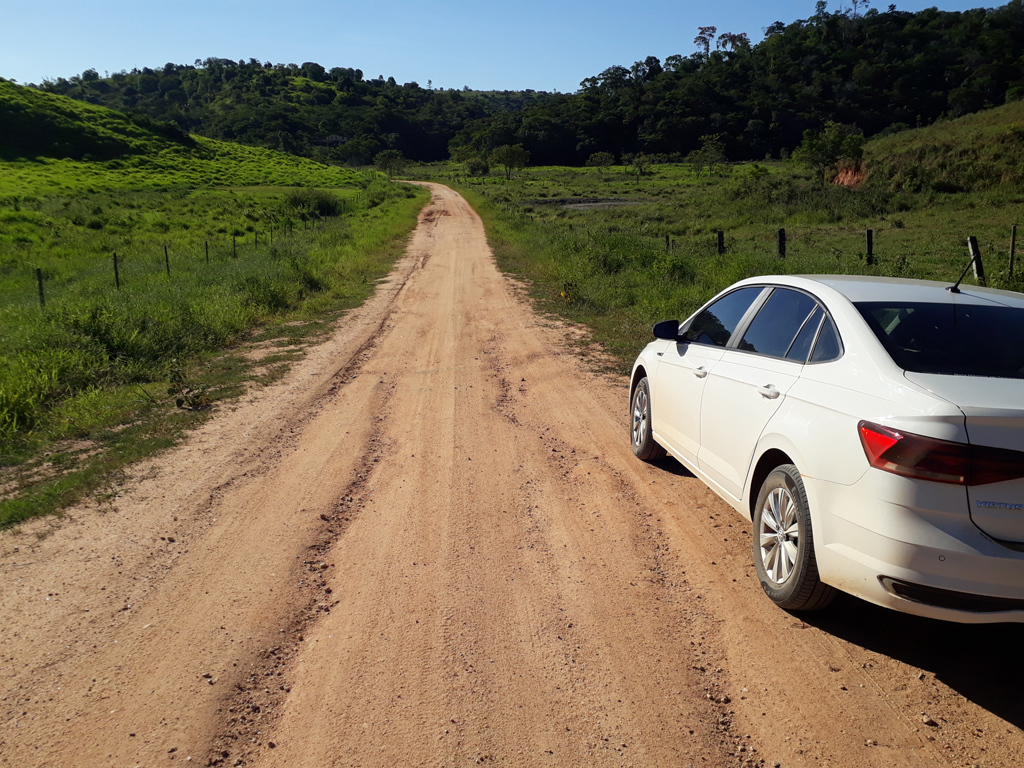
715 324
950 338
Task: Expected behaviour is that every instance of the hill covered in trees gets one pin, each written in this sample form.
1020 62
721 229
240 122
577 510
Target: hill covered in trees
879 71
331 115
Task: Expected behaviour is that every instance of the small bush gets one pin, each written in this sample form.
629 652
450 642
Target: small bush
311 201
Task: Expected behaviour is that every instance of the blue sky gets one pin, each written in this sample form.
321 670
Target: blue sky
513 45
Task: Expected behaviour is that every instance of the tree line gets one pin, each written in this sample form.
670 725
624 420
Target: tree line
875 72
336 115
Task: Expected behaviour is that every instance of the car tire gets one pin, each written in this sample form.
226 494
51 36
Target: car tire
645 447
783 544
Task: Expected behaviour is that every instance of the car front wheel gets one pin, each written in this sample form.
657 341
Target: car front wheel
784 544
644 446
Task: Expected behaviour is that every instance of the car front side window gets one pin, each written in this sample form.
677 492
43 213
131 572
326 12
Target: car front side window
715 324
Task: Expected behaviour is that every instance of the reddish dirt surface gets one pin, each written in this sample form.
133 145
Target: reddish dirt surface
430 545
850 177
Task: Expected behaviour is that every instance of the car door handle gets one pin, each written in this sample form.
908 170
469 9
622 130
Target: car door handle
769 391
700 373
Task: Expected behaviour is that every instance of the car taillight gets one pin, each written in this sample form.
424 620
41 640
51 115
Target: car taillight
943 461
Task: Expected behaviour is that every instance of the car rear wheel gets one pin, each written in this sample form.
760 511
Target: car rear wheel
784 544
644 446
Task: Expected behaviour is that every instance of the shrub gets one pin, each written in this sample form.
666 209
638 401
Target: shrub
311 201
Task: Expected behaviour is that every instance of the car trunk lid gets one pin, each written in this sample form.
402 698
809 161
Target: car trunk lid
994 417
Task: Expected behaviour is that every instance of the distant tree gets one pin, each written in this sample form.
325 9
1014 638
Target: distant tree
314 71
703 40
710 154
510 157
674 62
390 161
473 161
645 70
728 41
857 7
460 153
825 150
601 160
637 164
477 165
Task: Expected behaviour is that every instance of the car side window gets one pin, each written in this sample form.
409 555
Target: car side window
775 328
828 347
715 324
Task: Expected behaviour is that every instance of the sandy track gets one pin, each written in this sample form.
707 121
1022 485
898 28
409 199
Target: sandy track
430 546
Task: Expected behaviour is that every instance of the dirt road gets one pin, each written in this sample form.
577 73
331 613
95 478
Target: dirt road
430 545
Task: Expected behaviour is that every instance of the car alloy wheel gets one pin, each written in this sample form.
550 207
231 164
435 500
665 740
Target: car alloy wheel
644 446
779 535
783 544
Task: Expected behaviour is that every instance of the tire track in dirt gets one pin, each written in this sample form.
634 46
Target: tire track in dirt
481 618
132 653
257 701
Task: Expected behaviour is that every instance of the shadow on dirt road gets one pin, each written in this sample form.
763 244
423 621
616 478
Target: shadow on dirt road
981 662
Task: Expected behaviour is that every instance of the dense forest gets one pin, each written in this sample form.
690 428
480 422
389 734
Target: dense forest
879 71
331 115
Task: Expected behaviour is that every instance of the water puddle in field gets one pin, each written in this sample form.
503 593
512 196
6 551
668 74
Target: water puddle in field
588 203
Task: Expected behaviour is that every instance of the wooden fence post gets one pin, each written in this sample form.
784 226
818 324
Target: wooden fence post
979 269
721 242
207 251
167 261
870 235
39 279
234 248
782 243
1013 247
117 273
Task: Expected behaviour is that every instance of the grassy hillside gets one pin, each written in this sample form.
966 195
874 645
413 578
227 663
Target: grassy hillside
35 124
211 240
51 143
978 151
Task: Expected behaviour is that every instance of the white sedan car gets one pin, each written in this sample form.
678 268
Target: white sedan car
872 429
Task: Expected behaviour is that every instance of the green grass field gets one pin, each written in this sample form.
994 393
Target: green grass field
95 359
593 243
213 243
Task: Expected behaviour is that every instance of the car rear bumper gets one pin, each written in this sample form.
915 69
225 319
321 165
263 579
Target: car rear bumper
910 545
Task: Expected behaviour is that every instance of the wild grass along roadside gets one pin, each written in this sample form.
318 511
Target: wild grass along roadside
92 381
618 252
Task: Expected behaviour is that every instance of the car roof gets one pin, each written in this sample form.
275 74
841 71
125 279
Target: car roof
863 288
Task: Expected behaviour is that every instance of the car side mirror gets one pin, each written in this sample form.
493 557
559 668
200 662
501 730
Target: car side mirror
666 329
